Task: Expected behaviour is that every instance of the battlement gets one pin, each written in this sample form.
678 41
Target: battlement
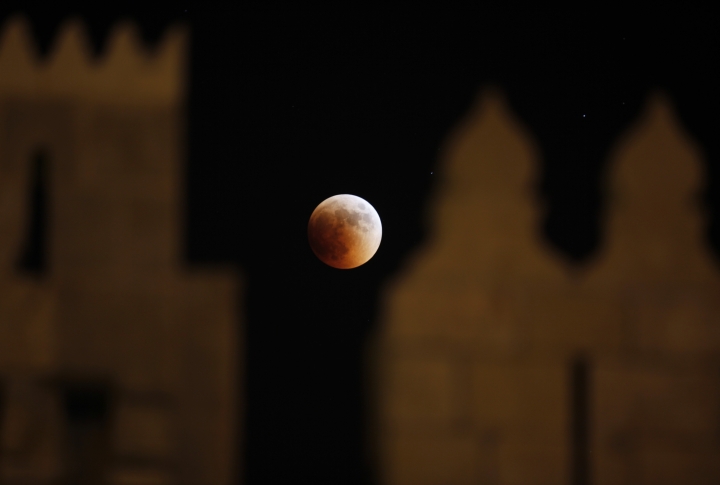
126 73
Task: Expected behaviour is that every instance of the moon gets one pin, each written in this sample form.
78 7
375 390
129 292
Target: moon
344 231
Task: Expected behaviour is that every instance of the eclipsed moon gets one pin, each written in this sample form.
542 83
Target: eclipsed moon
344 231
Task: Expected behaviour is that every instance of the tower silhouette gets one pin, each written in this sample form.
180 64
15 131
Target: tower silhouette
117 361
497 362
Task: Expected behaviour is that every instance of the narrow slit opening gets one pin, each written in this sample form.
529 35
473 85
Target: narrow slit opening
33 252
580 409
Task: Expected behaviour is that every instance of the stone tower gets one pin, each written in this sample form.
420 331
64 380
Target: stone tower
496 363
656 390
118 363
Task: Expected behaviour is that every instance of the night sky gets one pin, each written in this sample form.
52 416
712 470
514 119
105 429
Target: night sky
288 106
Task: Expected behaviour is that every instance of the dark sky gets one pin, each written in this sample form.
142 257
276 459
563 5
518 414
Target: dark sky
288 106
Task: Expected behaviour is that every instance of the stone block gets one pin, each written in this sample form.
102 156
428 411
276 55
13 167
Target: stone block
139 477
527 397
32 433
420 393
644 463
565 321
527 406
532 458
655 423
122 333
677 321
431 460
27 337
457 312
210 387
143 431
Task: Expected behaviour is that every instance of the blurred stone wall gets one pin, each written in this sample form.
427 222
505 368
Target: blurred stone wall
498 363
118 364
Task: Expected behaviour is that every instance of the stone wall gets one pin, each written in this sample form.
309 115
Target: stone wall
496 362
118 364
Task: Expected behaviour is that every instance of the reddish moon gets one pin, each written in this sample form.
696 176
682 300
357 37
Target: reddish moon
344 231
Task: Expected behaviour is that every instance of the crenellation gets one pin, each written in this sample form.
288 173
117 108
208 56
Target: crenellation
127 74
